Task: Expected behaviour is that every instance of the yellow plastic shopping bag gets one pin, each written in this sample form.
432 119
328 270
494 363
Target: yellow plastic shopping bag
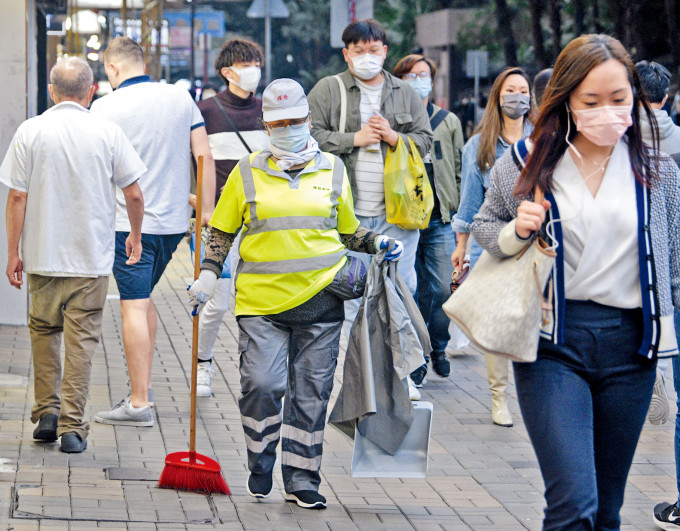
408 194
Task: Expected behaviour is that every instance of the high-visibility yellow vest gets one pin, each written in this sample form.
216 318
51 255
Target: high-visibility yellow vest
290 243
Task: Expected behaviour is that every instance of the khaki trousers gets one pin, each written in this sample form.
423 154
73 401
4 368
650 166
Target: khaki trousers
72 305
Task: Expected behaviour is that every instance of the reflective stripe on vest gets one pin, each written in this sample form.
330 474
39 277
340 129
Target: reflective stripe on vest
258 226
294 265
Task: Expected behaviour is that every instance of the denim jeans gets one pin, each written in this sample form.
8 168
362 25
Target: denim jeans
406 267
584 403
434 270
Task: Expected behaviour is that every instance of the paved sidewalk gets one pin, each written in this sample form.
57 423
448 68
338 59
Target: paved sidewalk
480 476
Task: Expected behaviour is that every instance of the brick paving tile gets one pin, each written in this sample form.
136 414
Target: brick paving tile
480 477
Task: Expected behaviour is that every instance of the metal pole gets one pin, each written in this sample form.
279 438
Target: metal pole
77 29
191 62
159 44
124 15
476 85
267 41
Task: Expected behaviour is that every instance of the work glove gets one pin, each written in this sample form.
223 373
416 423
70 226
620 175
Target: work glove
201 291
384 242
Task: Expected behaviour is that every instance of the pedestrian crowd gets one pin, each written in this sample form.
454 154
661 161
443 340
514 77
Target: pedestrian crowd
293 208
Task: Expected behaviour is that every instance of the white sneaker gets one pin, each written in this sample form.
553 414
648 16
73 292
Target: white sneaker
413 392
203 379
659 410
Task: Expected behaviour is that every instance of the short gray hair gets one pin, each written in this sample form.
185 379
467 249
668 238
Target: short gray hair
124 48
71 77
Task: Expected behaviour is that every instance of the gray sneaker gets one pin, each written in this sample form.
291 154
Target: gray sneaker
123 414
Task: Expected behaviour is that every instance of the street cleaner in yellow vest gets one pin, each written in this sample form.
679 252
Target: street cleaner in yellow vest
294 203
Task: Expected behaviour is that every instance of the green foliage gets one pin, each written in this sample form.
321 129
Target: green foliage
301 44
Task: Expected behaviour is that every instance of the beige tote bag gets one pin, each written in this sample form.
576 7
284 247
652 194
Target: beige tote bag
500 307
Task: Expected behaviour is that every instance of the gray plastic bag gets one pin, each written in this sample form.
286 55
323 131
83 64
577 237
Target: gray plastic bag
388 340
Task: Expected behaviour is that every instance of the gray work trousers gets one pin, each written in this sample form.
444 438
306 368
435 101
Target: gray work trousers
298 361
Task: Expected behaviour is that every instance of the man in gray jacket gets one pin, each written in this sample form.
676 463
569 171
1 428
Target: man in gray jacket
379 109
655 80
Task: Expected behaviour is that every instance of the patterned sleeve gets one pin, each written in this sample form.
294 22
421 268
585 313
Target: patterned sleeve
362 241
216 250
670 175
499 207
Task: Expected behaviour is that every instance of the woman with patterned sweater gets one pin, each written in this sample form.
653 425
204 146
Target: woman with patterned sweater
612 209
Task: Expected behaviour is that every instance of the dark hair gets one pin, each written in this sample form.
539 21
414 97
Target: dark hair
71 77
540 83
124 48
405 65
365 30
491 125
237 51
574 63
655 79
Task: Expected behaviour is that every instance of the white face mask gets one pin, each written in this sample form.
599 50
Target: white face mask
367 66
249 77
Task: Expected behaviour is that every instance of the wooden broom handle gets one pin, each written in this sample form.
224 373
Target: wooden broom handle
197 270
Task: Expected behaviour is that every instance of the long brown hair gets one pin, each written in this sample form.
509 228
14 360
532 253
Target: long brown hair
574 63
491 126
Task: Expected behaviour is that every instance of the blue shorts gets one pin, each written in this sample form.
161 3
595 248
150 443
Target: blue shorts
138 280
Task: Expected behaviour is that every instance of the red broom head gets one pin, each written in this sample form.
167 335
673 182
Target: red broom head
192 471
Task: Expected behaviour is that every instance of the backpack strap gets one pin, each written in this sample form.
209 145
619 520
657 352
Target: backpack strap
343 104
438 118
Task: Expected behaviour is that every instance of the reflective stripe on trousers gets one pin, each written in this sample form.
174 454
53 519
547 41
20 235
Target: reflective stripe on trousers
298 361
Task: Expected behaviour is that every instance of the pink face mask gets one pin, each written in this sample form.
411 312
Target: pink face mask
603 125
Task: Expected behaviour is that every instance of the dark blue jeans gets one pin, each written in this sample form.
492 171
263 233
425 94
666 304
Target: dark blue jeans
434 270
584 404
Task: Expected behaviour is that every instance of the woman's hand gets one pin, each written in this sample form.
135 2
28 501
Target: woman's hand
458 257
530 217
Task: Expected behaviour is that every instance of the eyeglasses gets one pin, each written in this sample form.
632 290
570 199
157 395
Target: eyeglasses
280 124
422 75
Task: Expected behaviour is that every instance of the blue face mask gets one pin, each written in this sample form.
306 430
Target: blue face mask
423 87
293 138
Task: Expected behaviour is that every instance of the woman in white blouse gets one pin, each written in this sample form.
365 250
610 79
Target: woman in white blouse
612 210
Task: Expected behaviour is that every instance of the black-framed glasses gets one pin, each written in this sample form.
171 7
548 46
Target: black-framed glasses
412 75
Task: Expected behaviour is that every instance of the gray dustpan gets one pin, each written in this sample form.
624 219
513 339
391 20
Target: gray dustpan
410 460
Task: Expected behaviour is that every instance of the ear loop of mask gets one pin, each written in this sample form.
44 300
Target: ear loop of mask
549 228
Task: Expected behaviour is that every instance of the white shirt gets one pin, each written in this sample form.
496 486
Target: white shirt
600 233
67 161
369 169
158 120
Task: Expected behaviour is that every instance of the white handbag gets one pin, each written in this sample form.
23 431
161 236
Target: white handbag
500 307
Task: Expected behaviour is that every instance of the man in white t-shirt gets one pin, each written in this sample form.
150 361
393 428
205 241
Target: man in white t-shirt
61 168
165 127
